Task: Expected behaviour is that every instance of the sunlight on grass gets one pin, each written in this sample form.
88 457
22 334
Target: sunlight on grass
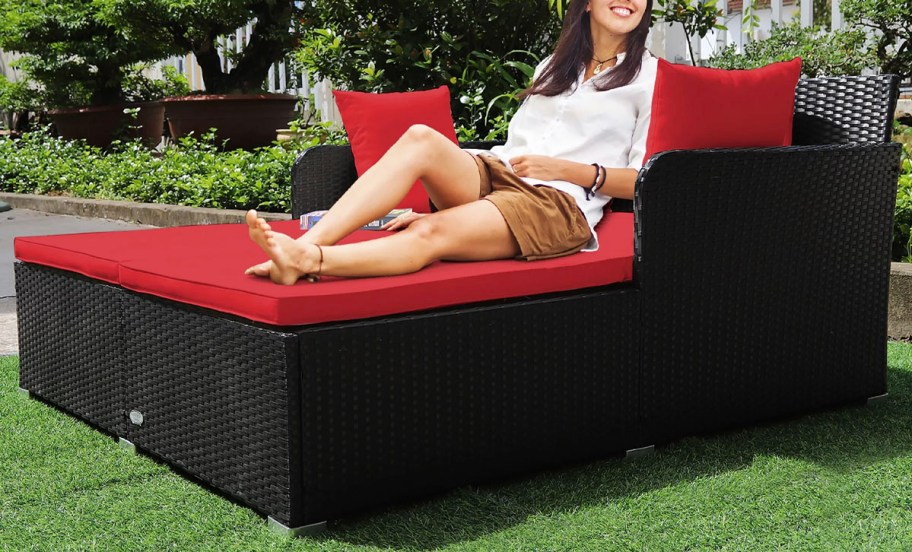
835 480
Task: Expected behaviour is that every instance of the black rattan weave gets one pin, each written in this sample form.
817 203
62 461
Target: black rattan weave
425 402
69 330
760 288
842 110
764 276
219 399
319 177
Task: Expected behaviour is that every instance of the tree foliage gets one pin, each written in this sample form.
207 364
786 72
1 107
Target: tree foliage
697 18
841 52
71 51
892 20
195 25
483 49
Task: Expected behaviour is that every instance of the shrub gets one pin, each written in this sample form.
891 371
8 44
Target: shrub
484 50
17 100
78 58
892 22
696 18
842 52
195 174
902 221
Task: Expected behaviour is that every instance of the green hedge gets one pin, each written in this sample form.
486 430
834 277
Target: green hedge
902 224
195 173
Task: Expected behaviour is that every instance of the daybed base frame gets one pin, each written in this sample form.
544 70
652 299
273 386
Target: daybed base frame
760 287
308 424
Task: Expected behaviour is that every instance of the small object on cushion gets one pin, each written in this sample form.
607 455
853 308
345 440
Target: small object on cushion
698 107
374 122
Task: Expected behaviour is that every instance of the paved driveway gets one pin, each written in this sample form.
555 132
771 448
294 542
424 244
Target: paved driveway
20 222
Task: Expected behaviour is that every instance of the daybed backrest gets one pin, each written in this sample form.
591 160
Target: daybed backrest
829 110
841 110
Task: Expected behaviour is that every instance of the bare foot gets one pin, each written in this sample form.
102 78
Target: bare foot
261 269
256 229
289 259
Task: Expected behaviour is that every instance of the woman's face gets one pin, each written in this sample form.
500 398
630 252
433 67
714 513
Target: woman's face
617 17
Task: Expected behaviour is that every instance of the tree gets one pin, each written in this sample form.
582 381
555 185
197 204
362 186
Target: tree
697 18
195 26
72 52
822 53
483 49
892 21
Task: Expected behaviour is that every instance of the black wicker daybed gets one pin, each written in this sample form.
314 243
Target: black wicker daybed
759 290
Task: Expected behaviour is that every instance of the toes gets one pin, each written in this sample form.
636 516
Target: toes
251 218
261 269
271 239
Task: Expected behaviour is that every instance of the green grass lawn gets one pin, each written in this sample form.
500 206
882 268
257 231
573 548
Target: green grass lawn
839 480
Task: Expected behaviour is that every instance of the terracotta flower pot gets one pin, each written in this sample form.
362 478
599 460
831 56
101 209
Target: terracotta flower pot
99 125
245 120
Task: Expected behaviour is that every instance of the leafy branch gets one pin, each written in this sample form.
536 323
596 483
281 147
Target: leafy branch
697 18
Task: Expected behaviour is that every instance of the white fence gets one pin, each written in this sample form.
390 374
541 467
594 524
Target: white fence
669 41
316 96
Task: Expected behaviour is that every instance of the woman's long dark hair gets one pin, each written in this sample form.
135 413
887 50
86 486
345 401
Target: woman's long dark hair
574 51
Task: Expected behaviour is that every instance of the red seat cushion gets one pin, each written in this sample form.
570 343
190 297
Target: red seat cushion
98 255
203 266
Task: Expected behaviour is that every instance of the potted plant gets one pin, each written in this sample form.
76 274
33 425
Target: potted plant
233 102
85 69
18 100
140 112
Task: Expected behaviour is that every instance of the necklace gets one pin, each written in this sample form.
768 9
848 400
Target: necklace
598 68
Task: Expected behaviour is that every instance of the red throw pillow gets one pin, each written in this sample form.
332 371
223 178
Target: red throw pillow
698 107
375 121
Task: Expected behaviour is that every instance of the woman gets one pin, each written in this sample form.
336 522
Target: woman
577 140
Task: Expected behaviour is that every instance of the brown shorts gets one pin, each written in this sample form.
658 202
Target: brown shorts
544 221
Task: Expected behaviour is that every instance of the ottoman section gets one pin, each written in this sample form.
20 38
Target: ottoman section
416 404
218 398
70 343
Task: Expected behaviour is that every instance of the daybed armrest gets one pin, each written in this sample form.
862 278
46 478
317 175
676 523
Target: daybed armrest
729 206
759 265
321 175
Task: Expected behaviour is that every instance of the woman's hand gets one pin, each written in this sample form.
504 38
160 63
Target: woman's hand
541 167
402 221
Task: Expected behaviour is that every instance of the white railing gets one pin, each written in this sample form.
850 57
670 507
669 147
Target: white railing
316 96
669 41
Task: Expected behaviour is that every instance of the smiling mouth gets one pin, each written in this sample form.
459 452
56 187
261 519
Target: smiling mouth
623 12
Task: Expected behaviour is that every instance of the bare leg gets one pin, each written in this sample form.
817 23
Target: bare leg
449 174
471 232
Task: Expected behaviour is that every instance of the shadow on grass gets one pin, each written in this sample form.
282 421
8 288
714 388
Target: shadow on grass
841 440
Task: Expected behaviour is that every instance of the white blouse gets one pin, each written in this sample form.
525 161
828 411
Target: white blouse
587 126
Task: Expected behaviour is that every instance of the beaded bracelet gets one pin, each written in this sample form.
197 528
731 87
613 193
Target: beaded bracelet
589 191
601 176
